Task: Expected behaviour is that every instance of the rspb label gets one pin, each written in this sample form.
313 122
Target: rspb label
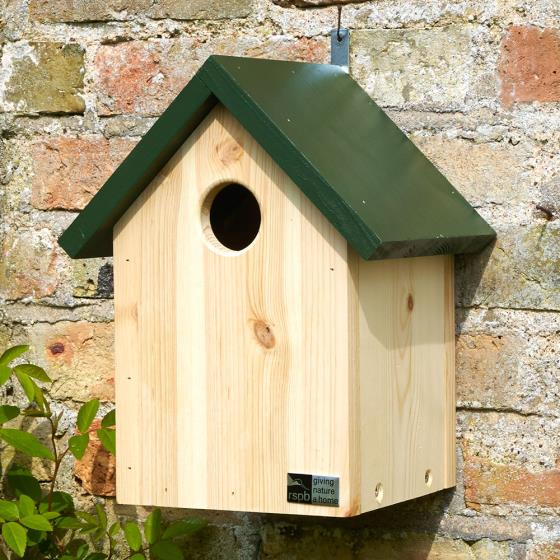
313 489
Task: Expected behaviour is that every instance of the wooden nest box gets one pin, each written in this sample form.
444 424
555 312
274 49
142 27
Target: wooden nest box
284 315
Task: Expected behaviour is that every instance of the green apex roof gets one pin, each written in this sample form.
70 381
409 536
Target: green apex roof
373 184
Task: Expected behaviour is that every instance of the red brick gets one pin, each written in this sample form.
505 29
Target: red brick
143 77
69 171
488 483
96 469
530 65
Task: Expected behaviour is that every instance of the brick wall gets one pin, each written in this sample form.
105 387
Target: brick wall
475 83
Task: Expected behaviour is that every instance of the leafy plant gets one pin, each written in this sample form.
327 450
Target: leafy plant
43 523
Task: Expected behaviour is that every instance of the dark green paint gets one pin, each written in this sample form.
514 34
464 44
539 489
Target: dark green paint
383 195
91 233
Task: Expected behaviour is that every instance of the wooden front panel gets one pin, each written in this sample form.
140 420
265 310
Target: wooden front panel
232 369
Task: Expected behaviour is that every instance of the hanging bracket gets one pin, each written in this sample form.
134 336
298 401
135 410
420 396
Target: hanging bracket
340 45
340 48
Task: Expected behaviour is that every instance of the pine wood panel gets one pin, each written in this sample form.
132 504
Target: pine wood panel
406 378
221 419
354 376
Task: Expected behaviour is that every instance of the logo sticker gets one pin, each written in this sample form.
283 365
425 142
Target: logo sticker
313 489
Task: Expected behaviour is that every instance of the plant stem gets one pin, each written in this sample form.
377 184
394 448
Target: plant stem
57 462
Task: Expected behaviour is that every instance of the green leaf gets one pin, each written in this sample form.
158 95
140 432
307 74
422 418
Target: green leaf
184 527
133 536
152 526
8 510
5 373
8 413
107 437
37 522
87 517
35 537
21 481
28 386
33 412
78 445
138 556
79 548
109 420
114 529
86 415
166 550
96 556
26 506
102 516
68 523
12 353
26 443
33 371
39 396
50 515
15 537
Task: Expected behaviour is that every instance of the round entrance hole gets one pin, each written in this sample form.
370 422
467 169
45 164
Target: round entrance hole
231 217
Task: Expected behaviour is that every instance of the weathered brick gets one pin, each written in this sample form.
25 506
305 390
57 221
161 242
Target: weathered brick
479 527
488 173
522 271
281 542
508 372
508 438
29 264
69 171
79 358
544 551
485 549
314 3
488 483
201 9
96 469
85 10
510 460
44 78
415 547
530 65
413 68
144 76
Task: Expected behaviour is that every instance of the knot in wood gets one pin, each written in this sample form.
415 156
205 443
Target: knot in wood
229 151
264 334
410 302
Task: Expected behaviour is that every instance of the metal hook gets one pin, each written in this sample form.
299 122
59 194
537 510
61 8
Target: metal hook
338 35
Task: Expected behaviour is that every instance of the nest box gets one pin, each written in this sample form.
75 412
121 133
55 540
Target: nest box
283 259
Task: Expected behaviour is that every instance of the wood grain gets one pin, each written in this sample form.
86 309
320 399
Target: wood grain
292 355
221 418
406 378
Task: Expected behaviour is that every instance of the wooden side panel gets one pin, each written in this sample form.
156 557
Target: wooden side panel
406 378
450 468
211 413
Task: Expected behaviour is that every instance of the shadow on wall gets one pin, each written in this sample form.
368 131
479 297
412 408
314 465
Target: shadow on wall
469 270
405 531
